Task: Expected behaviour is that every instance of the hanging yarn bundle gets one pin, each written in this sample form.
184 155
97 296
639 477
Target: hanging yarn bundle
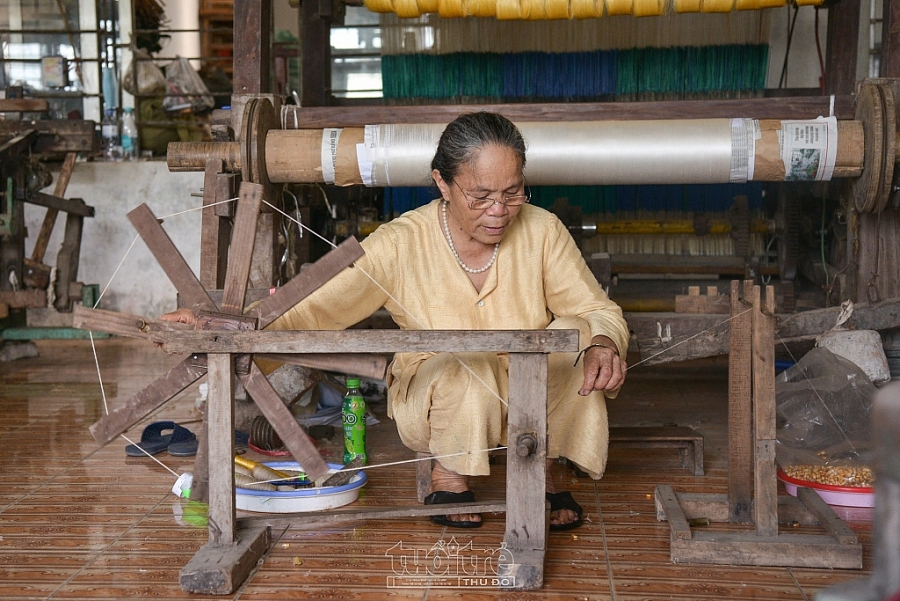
543 10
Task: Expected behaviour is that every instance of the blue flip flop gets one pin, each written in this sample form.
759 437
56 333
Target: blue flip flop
153 440
188 448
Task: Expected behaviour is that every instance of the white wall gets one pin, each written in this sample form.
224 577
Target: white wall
803 65
114 189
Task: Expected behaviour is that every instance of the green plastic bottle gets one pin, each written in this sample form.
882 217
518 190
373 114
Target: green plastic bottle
353 417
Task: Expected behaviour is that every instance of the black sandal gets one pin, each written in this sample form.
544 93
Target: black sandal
564 500
443 496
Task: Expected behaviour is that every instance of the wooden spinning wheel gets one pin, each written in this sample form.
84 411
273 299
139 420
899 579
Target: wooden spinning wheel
229 315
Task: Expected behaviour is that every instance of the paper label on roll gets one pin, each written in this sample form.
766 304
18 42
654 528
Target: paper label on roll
743 149
330 138
808 148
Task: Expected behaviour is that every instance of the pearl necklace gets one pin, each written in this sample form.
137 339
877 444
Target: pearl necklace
453 248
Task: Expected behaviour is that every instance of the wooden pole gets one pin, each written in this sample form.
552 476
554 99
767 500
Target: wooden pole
765 507
740 434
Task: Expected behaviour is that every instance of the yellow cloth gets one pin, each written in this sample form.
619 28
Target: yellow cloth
539 275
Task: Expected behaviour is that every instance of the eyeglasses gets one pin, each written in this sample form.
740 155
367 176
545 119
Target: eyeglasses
486 202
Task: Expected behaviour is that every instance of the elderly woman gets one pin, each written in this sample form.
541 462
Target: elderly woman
481 257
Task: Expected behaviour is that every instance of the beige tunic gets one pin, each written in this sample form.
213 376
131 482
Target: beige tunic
539 275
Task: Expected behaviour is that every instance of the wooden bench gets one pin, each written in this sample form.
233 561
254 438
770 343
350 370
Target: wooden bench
688 441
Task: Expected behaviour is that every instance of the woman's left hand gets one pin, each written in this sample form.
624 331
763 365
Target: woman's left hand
603 368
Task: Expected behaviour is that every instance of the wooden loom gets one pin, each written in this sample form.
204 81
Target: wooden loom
221 347
752 496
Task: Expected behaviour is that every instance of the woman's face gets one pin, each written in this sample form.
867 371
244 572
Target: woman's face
495 173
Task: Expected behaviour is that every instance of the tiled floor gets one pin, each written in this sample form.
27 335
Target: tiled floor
81 521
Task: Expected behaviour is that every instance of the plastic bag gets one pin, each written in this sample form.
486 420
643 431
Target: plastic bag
824 412
142 76
185 89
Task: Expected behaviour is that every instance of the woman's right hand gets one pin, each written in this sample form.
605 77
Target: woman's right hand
183 315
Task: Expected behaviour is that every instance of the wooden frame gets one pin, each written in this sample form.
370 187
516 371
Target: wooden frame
220 566
751 463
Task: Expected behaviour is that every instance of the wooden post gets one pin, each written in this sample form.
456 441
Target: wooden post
739 408
252 33
315 68
766 483
526 518
890 40
212 262
840 51
67 261
220 418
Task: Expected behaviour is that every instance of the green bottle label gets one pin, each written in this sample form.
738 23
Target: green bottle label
353 418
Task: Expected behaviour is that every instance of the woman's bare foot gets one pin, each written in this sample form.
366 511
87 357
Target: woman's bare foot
444 479
560 516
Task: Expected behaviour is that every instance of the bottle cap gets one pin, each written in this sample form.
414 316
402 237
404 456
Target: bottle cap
352 382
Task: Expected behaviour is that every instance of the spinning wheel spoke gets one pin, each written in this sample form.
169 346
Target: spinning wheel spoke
168 257
307 281
241 253
149 399
284 423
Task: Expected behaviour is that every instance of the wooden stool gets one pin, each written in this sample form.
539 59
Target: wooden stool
688 441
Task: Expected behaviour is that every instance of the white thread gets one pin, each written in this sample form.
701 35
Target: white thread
453 248
402 462
118 267
666 350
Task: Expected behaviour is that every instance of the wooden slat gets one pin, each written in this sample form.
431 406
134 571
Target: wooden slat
308 280
687 303
149 399
76 206
210 257
24 105
796 107
122 324
252 33
794 550
357 364
67 260
826 516
526 519
221 569
241 254
763 359
739 409
62 182
168 257
373 341
668 502
220 413
24 298
371 513
285 424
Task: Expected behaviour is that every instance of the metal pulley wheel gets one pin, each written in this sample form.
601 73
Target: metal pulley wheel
876 110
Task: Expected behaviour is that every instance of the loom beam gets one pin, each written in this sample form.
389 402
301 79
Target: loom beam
268 155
